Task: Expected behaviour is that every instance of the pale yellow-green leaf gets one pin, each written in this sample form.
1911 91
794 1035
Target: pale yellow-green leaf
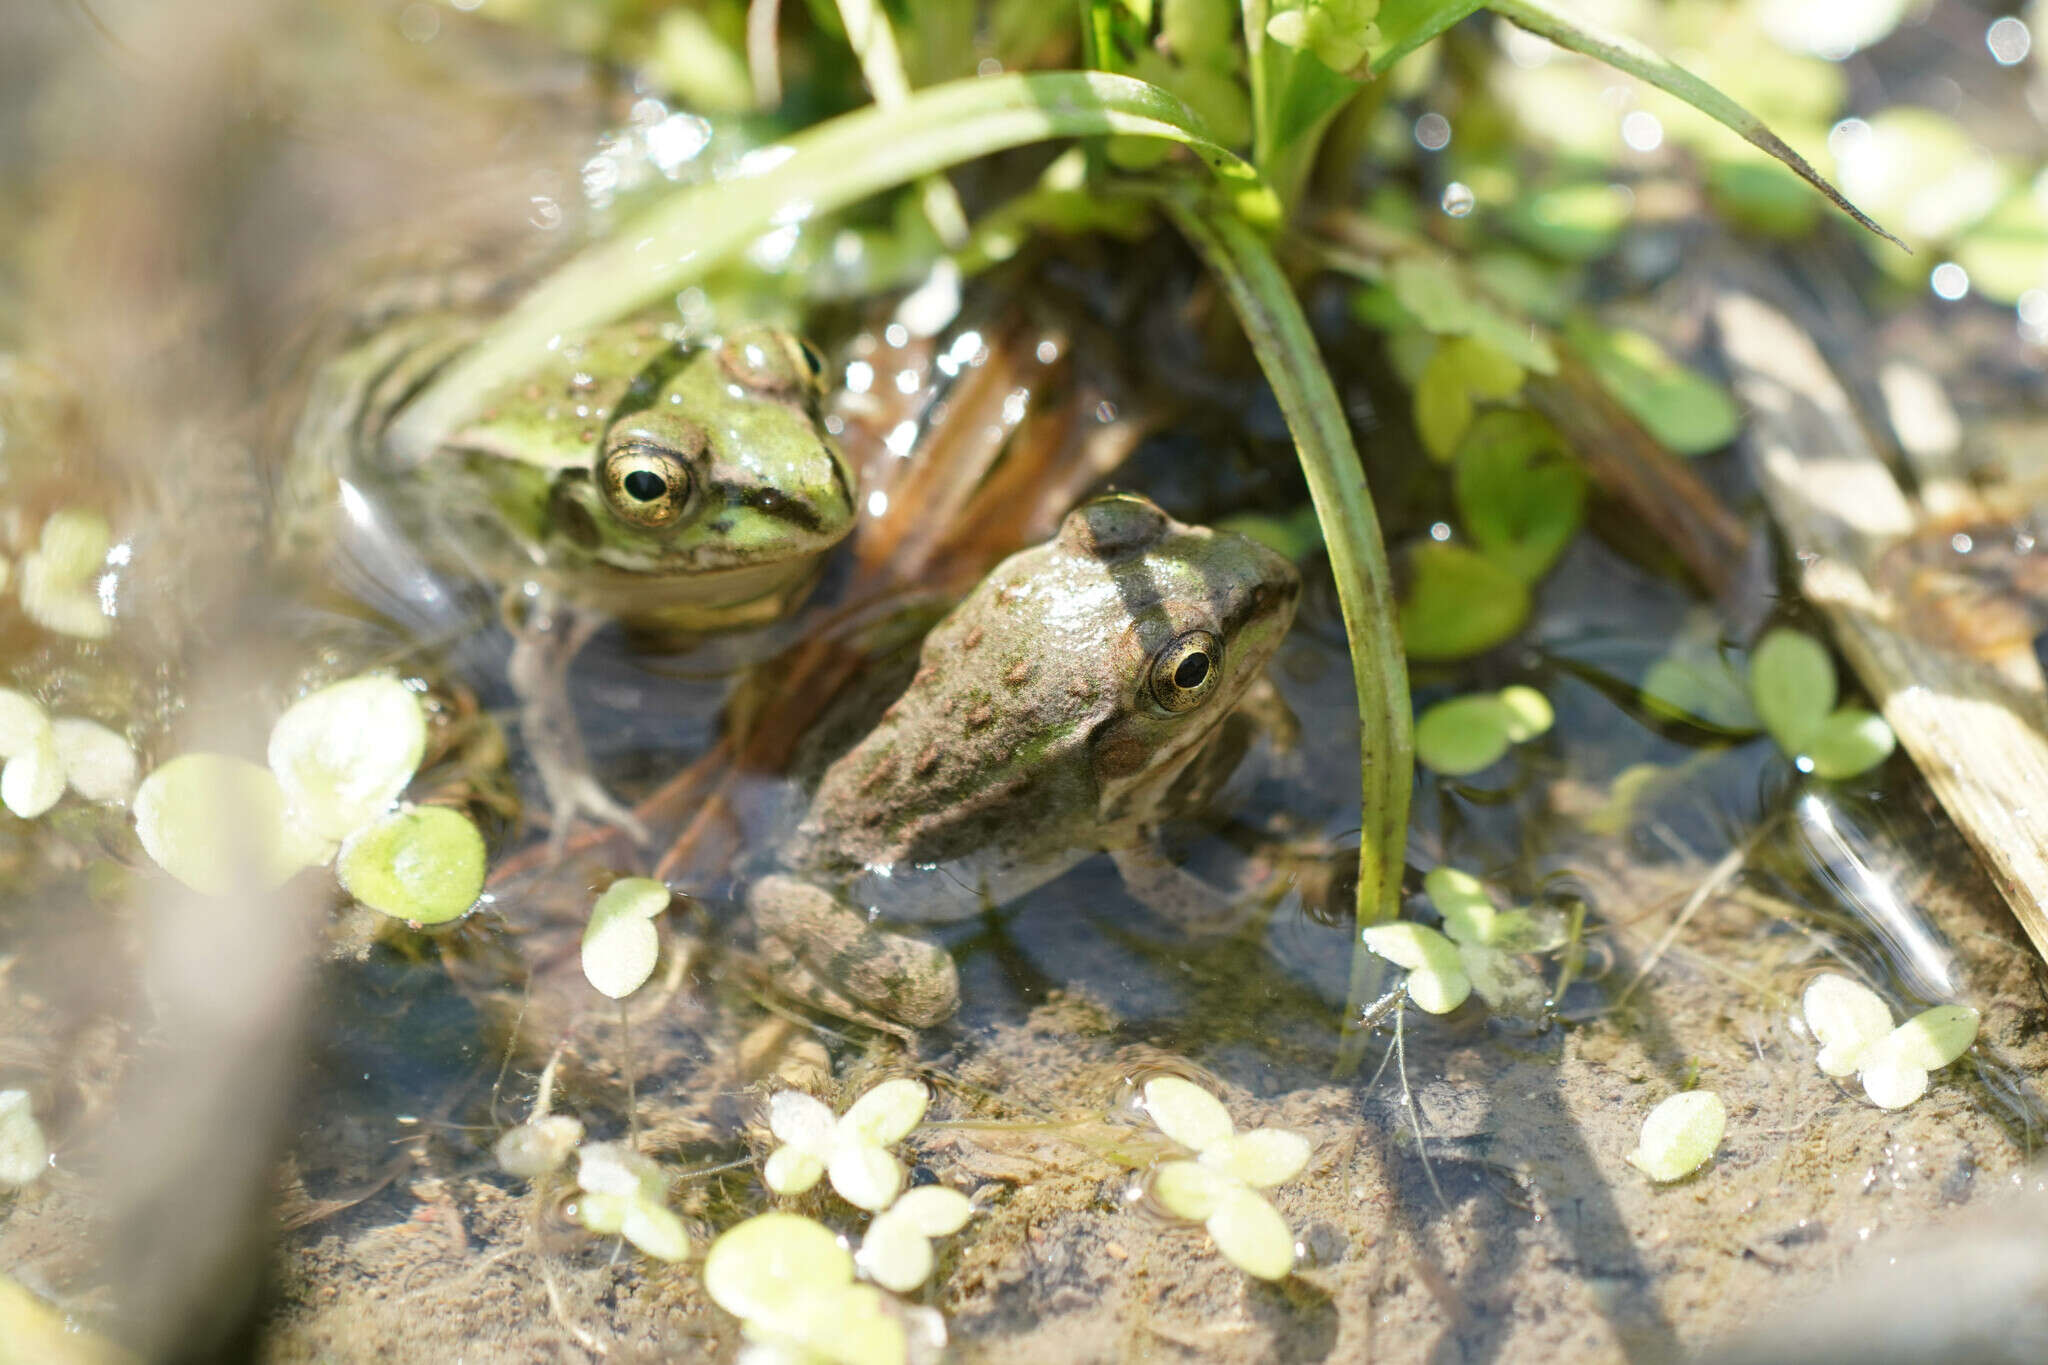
620 944
424 864
98 764
24 1152
1929 1040
1443 404
23 722
344 753
1894 1085
602 1212
655 1231
1437 982
1458 603
865 1176
803 1120
1262 1157
1680 1135
1845 1017
1847 742
217 823
615 1168
1508 985
759 1269
888 1112
1252 1235
792 1170
933 1210
1922 172
538 1146
1530 713
894 1254
1186 1112
1188 1189
33 779
73 544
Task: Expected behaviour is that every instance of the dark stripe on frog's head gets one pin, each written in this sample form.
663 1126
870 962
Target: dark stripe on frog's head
647 386
770 502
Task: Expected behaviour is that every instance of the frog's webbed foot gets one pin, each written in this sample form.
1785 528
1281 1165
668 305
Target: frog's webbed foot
546 638
820 950
1195 906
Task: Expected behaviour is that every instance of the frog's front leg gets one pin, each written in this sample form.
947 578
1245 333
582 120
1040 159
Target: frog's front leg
824 952
1195 906
546 637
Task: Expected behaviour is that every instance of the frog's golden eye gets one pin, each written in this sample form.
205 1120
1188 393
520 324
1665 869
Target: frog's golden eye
1187 670
768 362
645 484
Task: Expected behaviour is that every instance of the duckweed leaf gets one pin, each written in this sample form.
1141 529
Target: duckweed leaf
1443 405
217 823
24 1152
1929 1040
1894 1085
1251 1234
98 764
1792 686
887 1113
656 1231
894 1254
1846 1018
620 945
1679 1135
1529 712
1686 411
1697 683
1260 1158
865 1176
1459 603
1468 912
761 1269
33 779
23 723
532 1149
1431 291
1848 742
1189 1189
1462 736
933 1210
1437 982
345 752
424 864
1521 496
1187 1113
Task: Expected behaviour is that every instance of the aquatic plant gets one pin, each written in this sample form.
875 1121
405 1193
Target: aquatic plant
1792 685
339 758
1465 735
620 944
539 1145
1853 1026
896 1250
1478 949
57 584
24 1151
44 755
852 1149
1679 1135
791 1284
626 1194
1220 1187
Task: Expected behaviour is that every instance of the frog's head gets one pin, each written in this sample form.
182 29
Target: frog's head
1202 612
663 480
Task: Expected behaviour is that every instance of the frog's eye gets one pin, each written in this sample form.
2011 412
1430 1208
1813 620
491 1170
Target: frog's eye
1187 670
769 362
645 484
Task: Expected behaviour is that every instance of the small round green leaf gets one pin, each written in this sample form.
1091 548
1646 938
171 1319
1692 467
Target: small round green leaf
1464 735
23 723
1792 686
538 1146
1848 742
33 780
620 945
217 823
1679 1135
1186 1112
344 753
424 864
1572 222
887 1113
24 1152
1686 411
1458 603
1468 912
1260 1158
1189 1189
98 764
760 1269
1252 1235
894 1254
1846 1018
1931 1039
1521 496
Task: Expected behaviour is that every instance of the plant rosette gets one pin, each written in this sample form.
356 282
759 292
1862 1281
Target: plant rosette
44 755
853 1148
1478 949
1792 685
1853 1026
625 1194
790 1282
1220 1187
896 1250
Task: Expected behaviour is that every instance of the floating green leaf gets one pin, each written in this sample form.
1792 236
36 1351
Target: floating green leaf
1792 685
1459 602
424 864
1686 411
1521 496
1847 742
1571 222
218 823
620 945
2006 254
1462 736
1680 1135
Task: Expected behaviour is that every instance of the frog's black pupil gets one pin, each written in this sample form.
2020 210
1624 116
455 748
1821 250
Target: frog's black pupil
645 485
1191 672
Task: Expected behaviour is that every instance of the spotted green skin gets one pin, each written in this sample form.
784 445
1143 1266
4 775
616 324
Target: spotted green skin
1028 740
517 494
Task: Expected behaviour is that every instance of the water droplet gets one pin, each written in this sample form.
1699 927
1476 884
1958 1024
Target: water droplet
1433 132
1457 199
1949 280
2009 40
1642 131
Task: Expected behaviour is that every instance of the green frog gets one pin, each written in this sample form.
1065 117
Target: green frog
1065 708
628 477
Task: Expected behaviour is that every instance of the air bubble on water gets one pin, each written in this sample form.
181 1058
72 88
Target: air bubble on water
1433 132
2009 40
1642 131
1949 281
1457 199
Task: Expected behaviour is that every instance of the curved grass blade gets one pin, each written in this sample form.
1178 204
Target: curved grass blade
818 171
1280 336
1546 19
1407 24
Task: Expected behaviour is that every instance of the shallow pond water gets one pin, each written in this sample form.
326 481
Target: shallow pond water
308 1097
